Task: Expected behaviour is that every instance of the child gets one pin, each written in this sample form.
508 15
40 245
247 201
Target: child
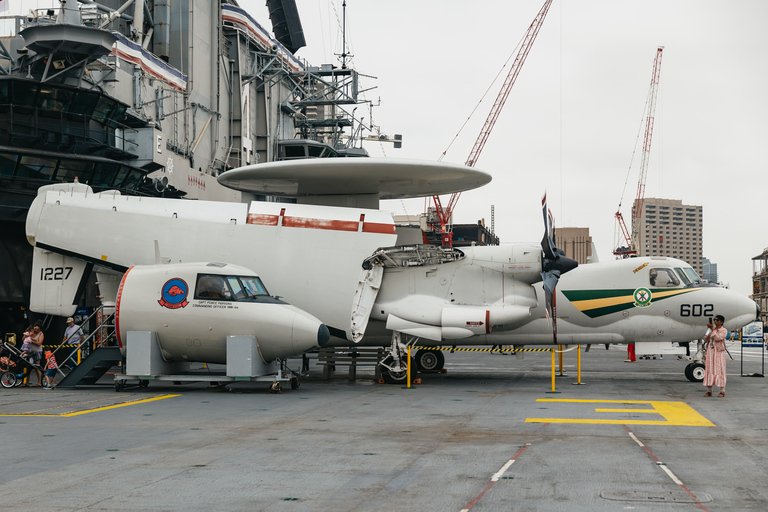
26 345
50 373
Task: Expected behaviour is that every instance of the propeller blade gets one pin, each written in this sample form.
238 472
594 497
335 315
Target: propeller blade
548 241
554 263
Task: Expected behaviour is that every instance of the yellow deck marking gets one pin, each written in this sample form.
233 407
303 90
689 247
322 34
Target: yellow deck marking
87 411
674 413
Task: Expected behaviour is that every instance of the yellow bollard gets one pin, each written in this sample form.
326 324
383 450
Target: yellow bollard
553 370
578 364
578 367
408 373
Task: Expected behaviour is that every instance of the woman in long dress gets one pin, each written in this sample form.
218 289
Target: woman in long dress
714 361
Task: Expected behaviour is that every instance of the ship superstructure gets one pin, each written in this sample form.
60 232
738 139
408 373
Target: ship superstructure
155 97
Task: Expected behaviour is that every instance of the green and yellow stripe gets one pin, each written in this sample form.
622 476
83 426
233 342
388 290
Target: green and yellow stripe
597 303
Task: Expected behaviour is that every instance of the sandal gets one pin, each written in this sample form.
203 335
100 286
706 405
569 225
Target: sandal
721 395
37 386
708 393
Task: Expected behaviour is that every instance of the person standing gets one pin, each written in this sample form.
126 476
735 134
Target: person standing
36 339
73 335
714 360
50 370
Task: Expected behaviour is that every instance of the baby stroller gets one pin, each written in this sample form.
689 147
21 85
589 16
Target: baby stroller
12 366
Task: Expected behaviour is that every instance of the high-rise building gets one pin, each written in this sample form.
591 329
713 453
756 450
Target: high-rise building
710 271
760 283
670 228
576 242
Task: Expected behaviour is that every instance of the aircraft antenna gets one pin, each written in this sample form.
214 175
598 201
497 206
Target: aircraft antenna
442 215
637 208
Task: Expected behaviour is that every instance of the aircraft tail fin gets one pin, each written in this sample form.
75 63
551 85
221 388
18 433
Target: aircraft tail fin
58 282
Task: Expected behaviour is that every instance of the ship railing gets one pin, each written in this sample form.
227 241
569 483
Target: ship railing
74 125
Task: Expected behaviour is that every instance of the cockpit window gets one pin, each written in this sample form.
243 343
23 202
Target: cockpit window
682 276
218 287
212 287
692 275
663 278
253 286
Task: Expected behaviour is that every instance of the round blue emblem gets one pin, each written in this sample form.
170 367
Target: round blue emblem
174 294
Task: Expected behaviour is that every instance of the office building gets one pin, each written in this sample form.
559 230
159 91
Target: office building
760 283
710 271
667 227
576 242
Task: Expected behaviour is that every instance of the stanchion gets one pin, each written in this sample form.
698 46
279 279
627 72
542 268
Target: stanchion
578 367
560 351
408 372
553 371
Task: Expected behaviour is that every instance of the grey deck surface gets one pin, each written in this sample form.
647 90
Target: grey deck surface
361 446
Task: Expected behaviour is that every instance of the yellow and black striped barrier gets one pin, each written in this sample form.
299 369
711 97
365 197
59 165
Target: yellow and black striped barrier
553 350
506 351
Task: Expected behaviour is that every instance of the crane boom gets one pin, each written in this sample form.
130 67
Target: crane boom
444 214
637 208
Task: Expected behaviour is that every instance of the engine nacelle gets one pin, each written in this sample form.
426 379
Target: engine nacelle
193 307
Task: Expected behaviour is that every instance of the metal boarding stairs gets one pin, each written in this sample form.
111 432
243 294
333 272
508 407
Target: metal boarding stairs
101 359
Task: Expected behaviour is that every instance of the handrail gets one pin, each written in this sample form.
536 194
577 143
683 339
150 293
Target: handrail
104 325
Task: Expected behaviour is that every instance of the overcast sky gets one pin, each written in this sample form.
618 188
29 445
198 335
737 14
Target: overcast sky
571 123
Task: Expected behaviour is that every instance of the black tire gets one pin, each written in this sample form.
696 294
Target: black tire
697 372
119 385
400 377
8 380
688 374
429 360
143 383
295 384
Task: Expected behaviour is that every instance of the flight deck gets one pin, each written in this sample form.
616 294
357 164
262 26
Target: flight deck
487 435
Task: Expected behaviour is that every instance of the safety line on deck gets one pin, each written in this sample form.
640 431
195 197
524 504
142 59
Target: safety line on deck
495 477
87 411
666 469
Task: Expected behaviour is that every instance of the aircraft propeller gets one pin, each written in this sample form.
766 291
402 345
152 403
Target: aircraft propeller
554 263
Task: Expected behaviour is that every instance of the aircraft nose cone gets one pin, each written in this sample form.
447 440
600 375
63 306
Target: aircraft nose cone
323 335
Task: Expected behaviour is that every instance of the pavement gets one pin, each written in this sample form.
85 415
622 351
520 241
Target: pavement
487 435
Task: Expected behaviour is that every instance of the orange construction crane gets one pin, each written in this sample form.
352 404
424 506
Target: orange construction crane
631 241
443 215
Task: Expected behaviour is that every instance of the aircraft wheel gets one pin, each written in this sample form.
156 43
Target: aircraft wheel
119 385
697 372
688 374
8 380
295 383
143 383
430 360
400 377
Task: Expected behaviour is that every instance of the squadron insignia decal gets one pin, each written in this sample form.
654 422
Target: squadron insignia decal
174 294
642 297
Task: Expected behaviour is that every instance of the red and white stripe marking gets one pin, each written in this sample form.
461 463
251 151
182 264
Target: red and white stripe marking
666 469
496 476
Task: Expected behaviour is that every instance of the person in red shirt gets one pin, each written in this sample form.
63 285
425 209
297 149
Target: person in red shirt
50 372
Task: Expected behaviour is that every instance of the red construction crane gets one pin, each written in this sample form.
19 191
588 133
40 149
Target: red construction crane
444 214
632 241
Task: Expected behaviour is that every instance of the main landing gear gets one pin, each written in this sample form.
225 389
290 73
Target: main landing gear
394 366
430 360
